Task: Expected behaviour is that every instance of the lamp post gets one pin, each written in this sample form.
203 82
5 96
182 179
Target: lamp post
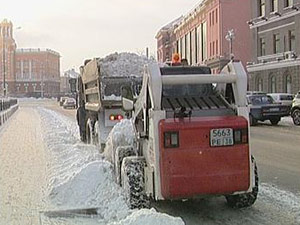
230 36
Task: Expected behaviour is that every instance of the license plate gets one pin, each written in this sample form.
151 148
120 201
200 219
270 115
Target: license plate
221 137
274 109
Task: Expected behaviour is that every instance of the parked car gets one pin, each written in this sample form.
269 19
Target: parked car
62 100
70 103
262 108
283 98
256 93
295 111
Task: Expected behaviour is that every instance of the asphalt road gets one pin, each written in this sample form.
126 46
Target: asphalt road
277 152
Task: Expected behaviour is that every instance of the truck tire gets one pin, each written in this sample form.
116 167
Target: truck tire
121 153
89 132
296 117
275 121
252 120
133 182
96 134
247 199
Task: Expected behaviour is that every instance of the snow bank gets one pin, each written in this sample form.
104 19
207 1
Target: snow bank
149 217
79 176
123 64
121 135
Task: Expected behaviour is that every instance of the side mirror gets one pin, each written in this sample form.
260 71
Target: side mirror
127 104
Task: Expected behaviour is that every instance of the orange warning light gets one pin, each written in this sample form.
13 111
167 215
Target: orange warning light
176 58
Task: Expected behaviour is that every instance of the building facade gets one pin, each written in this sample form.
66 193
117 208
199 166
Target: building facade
65 86
275 30
7 57
27 72
200 36
166 41
37 72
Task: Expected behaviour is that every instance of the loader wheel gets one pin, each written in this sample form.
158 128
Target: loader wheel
296 117
247 199
120 153
133 182
275 121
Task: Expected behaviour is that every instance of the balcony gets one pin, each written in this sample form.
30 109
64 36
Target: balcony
274 61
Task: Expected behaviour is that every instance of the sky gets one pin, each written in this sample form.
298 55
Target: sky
82 29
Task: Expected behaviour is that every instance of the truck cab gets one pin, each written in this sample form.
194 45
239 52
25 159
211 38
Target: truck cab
192 135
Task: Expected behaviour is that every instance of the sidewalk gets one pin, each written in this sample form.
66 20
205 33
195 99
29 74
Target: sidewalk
22 169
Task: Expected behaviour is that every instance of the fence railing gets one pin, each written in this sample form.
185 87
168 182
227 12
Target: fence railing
7 103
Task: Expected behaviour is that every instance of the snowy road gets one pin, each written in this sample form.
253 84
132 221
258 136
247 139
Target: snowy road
44 168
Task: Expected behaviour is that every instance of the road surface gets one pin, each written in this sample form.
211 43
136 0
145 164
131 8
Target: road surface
23 172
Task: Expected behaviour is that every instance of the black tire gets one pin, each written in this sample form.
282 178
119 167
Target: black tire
253 121
95 134
296 117
275 121
121 153
133 182
247 199
89 132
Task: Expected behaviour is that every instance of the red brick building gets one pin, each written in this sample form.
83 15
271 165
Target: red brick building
7 56
200 36
166 41
28 72
37 72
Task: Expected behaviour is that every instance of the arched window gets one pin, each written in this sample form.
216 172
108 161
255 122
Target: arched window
272 84
288 84
259 84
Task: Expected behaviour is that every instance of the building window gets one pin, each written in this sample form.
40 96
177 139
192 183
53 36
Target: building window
217 47
292 40
288 84
259 84
216 15
272 83
288 3
261 7
213 17
276 43
210 19
262 46
274 5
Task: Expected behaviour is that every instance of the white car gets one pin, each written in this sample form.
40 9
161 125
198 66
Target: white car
283 98
70 103
295 111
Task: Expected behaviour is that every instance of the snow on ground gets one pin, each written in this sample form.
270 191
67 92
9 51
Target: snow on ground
123 64
79 177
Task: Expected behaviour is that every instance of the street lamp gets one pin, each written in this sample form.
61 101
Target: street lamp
230 36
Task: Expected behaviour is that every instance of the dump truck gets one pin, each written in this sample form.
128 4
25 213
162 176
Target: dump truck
99 99
192 137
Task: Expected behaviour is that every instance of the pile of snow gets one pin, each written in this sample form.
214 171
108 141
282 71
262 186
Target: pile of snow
149 217
123 64
80 178
121 135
